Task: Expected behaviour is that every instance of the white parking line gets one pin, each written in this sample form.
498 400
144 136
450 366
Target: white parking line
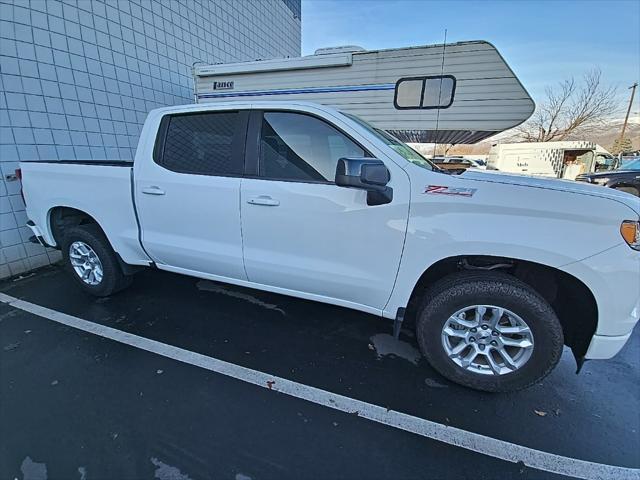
475 442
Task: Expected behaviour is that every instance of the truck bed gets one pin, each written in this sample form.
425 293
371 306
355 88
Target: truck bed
101 189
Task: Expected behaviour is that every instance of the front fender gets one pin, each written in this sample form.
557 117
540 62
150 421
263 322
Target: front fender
548 227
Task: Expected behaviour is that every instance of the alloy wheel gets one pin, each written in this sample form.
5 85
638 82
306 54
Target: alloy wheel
487 340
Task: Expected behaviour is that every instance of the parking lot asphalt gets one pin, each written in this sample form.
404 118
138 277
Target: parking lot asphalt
76 405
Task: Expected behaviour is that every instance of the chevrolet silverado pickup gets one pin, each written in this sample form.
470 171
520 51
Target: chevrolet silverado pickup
496 272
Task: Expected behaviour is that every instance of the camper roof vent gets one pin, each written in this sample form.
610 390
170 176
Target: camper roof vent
341 49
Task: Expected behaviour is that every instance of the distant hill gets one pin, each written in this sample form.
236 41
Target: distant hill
608 136
604 138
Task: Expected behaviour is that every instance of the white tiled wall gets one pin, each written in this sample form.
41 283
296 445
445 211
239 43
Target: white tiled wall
77 78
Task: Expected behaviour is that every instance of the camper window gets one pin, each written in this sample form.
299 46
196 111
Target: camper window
408 93
425 92
438 92
302 148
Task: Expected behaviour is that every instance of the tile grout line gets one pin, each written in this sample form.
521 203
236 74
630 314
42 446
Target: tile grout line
457 437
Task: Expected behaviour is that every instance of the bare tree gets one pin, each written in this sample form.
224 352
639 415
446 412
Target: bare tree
443 149
570 110
438 150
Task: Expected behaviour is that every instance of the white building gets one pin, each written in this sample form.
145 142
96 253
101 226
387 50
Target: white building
78 78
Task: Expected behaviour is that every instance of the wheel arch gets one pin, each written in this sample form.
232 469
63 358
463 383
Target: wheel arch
572 301
60 218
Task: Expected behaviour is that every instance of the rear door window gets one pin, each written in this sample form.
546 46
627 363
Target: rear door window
204 143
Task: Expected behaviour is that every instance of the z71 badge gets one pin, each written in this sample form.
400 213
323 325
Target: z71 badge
443 190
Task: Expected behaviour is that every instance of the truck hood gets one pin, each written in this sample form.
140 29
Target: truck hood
569 186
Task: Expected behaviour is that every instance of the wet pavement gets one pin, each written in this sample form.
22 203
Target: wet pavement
76 405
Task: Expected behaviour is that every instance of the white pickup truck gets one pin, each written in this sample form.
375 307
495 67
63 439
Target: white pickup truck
498 271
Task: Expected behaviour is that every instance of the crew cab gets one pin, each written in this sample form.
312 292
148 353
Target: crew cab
497 272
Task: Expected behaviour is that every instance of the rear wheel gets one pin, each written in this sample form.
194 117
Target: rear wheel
92 262
489 331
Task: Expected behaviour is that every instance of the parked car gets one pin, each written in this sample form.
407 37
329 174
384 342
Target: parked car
478 162
457 164
626 178
498 271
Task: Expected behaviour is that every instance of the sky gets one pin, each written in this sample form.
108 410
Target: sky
544 41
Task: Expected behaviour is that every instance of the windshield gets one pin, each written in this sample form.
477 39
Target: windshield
632 165
403 149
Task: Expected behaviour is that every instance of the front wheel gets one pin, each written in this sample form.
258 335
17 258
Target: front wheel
92 262
489 331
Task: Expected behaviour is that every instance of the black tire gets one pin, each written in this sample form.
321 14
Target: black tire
113 280
464 289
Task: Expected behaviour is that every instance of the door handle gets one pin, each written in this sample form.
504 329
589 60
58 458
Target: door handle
264 200
153 190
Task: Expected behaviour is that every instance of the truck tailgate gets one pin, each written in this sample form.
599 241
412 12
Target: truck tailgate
101 190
